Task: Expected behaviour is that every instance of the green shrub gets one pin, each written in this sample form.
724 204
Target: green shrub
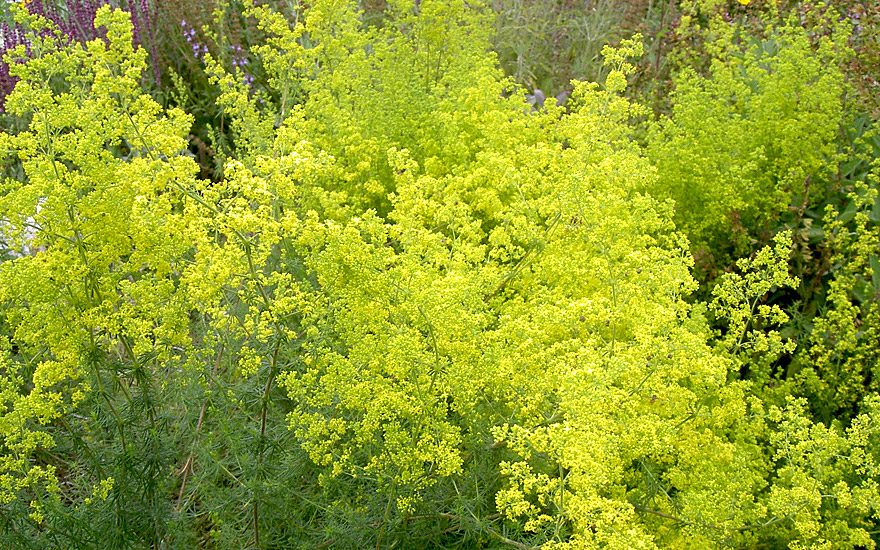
412 313
743 142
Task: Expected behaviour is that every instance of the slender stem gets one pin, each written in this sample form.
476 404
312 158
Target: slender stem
387 512
113 411
88 451
273 371
256 522
187 467
506 540
560 517
527 258
683 521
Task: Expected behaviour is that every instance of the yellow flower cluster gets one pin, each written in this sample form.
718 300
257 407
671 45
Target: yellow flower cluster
411 298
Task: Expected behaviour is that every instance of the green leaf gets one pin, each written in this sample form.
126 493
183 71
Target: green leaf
816 234
875 276
860 291
850 212
848 168
874 216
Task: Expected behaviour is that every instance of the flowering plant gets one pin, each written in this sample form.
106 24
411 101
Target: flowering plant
414 312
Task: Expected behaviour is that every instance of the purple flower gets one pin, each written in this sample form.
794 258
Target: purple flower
199 50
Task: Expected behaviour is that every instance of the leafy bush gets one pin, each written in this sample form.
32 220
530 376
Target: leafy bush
412 313
744 141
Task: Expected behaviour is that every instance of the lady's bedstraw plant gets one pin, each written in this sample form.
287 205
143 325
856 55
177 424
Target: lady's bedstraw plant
489 352
94 317
415 313
838 367
744 141
738 300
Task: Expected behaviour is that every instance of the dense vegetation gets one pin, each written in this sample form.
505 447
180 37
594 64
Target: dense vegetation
322 277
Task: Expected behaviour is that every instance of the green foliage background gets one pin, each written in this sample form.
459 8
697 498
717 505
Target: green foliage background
412 311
